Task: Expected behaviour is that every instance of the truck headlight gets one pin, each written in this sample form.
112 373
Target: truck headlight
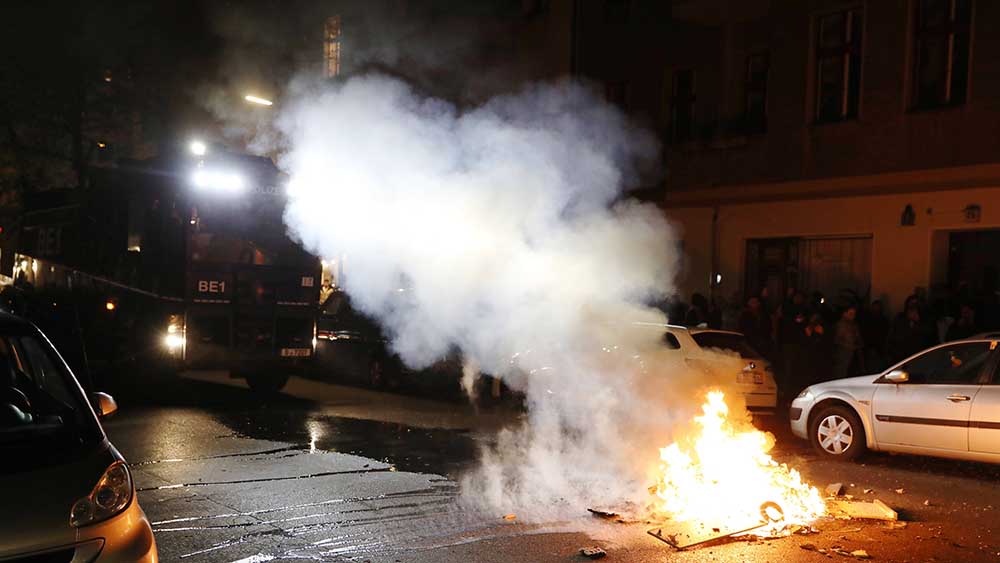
111 495
173 341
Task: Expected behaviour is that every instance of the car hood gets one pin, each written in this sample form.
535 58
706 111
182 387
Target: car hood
853 385
36 506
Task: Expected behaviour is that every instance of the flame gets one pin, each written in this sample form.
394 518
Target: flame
725 477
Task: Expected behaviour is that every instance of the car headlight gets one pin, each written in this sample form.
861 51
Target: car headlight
111 495
805 394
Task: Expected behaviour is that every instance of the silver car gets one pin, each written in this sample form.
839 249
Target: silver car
729 352
944 401
67 493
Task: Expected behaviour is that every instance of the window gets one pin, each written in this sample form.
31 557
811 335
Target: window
682 102
671 341
941 52
755 101
45 416
958 364
838 65
331 47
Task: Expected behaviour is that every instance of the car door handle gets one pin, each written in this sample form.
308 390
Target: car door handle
957 398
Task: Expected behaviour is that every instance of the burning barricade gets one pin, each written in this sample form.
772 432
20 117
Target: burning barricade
721 482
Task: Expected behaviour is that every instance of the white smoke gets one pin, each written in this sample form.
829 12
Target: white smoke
506 228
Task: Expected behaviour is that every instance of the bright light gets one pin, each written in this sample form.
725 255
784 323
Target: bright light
255 100
24 264
718 279
173 329
198 148
224 181
110 305
173 342
34 267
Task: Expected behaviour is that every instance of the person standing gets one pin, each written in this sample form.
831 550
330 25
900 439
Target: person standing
909 334
847 344
875 333
815 353
791 333
697 315
965 326
755 325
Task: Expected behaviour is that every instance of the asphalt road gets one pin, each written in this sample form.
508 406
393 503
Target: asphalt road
336 473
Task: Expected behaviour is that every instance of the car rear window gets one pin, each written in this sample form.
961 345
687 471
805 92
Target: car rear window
726 341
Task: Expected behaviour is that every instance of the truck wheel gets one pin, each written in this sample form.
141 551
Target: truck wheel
836 433
266 384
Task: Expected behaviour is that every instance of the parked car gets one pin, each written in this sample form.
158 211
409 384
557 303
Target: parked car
728 351
944 401
68 494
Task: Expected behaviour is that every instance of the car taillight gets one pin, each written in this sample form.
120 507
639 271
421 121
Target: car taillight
111 495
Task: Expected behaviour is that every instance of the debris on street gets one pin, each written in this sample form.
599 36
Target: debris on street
684 535
875 510
900 491
860 554
593 552
927 503
607 515
835 489
808 546
510 517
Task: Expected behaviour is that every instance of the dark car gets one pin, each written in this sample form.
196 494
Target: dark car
68 494
351 347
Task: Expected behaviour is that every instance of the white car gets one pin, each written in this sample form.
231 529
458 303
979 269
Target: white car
726 350
944 401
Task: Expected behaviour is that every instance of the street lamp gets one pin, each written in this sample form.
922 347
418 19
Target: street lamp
257 100
198 148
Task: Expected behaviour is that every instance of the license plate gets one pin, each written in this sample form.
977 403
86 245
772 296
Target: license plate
755 378
296 352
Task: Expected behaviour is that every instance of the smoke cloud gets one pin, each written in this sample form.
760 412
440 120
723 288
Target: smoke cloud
508 230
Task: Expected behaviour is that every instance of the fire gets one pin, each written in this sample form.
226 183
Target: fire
724 477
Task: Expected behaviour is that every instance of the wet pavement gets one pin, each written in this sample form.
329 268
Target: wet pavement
334 473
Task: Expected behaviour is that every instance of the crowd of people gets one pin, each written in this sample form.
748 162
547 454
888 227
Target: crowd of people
807 339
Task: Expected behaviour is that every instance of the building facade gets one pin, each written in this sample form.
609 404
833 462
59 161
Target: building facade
835 146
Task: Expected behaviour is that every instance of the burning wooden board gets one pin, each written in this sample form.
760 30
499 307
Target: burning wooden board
685 535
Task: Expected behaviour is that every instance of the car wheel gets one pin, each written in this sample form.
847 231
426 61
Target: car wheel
266 384
836 432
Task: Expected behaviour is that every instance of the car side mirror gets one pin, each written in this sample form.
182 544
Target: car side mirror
104 404
897 376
